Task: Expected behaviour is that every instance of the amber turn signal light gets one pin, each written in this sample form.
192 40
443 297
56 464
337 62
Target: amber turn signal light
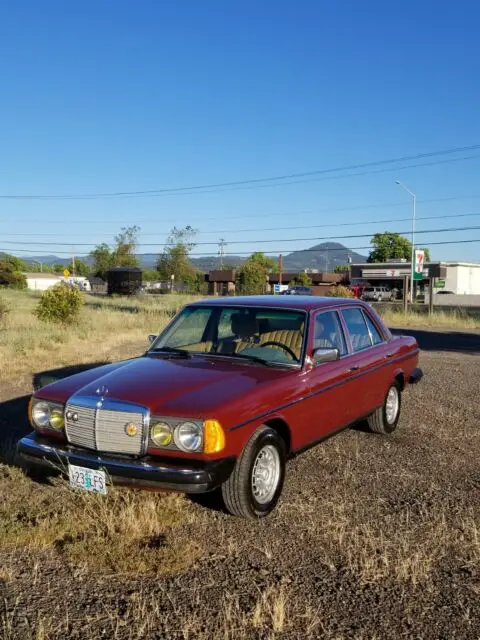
30 418
213 437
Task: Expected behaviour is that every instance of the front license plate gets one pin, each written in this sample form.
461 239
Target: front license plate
87 479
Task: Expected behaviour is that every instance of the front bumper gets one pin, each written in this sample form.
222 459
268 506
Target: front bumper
188 476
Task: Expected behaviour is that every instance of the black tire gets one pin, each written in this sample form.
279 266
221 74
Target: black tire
378 422
237 491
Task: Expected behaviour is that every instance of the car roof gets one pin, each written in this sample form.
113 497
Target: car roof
295 303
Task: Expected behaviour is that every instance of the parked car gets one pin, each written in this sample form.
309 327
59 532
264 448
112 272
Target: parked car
378 294
297 290
223 397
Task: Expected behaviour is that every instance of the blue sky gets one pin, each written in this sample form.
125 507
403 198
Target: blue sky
124 96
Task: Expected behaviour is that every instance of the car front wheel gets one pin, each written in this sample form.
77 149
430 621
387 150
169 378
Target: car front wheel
254 487
385 419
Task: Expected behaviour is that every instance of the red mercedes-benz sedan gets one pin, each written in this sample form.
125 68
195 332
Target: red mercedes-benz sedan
223 397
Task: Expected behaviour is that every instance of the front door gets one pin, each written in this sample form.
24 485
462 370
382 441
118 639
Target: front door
327 402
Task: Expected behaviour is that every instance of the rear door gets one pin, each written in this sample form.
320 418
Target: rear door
369 356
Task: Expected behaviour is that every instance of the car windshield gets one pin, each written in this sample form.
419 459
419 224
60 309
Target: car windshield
273 336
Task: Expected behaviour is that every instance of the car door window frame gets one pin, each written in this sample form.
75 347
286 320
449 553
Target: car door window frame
367 316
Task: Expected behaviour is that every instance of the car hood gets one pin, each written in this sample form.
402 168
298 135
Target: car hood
190 387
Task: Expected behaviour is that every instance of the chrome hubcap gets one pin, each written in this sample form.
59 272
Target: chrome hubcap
265 474
391 408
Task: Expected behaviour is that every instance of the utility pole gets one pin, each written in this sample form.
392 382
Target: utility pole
280 268
414 213
73 261
221 251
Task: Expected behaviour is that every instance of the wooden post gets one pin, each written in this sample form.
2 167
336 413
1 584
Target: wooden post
430 296
405 294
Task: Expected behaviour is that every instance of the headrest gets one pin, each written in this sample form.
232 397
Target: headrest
244 325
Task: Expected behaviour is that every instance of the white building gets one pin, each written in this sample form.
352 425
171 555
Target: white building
43 281
463 278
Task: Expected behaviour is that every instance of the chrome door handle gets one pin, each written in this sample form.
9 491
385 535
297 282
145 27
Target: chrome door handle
389 355
355 368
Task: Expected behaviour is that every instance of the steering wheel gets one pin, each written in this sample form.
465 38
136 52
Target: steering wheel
272 343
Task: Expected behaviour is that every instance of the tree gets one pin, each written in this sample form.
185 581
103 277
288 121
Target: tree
389 246
252 277
13 263
266 262
81 268
149 275
175 258
103 259
11 272
127 241
341 268
121 255
303 279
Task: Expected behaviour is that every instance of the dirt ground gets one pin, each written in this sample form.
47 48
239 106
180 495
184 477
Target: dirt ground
375 537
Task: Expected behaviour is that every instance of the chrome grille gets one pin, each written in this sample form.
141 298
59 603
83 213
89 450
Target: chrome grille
81 431
112 435
104 428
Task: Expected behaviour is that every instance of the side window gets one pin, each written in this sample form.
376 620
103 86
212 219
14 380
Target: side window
357 329
374 333
328 333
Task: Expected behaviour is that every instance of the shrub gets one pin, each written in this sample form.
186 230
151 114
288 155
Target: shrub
12 279
60 303
4 311
340 291
303 279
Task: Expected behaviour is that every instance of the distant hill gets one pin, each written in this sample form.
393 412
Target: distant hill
324 257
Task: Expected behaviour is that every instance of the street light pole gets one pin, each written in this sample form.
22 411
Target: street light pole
412 259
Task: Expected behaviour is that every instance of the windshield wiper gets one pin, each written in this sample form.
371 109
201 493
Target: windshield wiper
172 351
269 363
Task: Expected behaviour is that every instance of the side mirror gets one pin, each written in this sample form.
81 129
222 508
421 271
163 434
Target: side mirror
151 338
325 355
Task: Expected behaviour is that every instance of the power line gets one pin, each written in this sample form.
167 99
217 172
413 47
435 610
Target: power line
310 226
254 241
248 182
262 215
270 252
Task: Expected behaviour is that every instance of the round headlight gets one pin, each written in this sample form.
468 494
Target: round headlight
56 419
188 436
161 434
41 414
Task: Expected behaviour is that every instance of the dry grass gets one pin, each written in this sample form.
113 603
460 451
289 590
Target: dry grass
107 330
376 521
124 532
141 615
454 319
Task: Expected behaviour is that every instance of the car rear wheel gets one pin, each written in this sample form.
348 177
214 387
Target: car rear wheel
385 419
254 487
